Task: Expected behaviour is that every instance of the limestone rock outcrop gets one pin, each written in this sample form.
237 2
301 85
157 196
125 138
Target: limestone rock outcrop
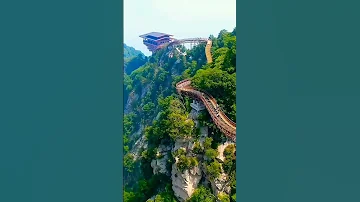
222 183
184 184
159 164
221 149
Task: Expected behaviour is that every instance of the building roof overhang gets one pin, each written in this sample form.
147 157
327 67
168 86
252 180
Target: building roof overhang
155 35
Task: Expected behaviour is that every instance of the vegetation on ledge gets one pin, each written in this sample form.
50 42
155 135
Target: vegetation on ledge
156 112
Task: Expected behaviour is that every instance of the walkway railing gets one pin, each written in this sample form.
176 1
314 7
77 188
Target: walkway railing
226 125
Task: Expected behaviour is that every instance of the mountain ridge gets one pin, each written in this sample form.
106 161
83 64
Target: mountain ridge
130 52
172 152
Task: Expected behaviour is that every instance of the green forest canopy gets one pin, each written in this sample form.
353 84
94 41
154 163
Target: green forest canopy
218 78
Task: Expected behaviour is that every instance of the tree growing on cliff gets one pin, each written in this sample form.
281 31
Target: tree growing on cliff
224 197
129 162
213 169
211 154
202 194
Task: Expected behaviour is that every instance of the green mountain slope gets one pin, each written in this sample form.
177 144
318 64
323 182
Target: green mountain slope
130 52
133 59
155 115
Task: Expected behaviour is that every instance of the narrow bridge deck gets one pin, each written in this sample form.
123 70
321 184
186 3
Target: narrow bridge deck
225 125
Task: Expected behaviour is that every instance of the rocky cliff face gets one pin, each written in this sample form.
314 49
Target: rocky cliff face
221 149
140 143
222 183
133 101
159 164
184 183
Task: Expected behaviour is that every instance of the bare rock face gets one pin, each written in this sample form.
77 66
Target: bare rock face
184 184
140 143
159 164
128 107
144 90
220 184
221 149
181 143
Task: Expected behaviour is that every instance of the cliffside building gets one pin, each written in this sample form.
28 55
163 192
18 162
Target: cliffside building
155 40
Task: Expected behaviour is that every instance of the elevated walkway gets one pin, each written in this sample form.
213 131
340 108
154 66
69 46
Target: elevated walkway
226 125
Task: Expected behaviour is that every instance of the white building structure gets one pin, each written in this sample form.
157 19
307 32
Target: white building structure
197 105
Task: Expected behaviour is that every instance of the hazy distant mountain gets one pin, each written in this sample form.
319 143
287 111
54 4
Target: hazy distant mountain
133 59
130 52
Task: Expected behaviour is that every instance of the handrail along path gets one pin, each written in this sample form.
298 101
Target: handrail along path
226 125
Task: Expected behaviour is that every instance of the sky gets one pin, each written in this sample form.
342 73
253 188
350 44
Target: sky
181 18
